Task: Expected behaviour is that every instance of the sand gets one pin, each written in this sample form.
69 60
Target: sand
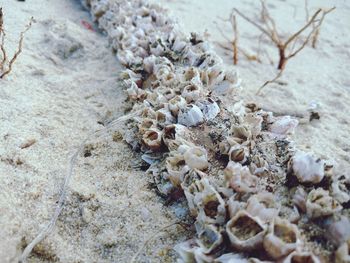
64 87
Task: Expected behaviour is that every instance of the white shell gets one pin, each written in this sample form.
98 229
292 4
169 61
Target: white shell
282 238
240 179
186 251
209 238
245 231
191 92
263 205
231 258
306 168
196 158
283 125
320 203
164 117
190 116
339 231
340 188
342 255
209 108
299 198
176 104
152 139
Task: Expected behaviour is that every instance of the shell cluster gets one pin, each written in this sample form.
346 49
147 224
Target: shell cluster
253 196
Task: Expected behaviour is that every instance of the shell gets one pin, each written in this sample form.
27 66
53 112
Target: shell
342 255
233 206
152 138
211 206
259 166
340 188
282 238
245 231
209 108
191 92
299 199
241 132
263 205
239 178
319 203
176 169
282 126
186 251
306 168
196 158
164 117
209 238
301 257
190 116
238 154
176 104
173 135
339 231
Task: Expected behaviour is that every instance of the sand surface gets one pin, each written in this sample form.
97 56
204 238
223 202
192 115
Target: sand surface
64 87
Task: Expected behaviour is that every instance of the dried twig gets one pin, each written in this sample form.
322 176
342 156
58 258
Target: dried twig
5 64
235 40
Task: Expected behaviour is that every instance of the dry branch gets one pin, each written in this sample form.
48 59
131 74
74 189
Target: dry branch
5 64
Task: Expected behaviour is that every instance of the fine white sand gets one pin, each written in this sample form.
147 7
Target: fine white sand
64 87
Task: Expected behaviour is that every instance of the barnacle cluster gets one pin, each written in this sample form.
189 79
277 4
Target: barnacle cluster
253 196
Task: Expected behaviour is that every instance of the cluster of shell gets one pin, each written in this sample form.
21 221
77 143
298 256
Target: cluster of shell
254 197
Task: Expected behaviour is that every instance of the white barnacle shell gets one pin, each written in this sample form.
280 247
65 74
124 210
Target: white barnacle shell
339 231
209 108
319 203
146 124
245 231
239 178
201 257
238 153
152 139
192 75
241 132
196 158
301 257
186 250
134 92
164 117
299 198
148 64
129 74
209 238
281 239
254 122
342 255
282 126
191 92
340 188
176 103
190 116
176 169
306 168
259 166
263 205
173 135
234 206
210 205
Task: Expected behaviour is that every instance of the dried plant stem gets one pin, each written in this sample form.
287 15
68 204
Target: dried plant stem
235 40
270 81
19 50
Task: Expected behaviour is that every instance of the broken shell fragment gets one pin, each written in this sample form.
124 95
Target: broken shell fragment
209 108
190 116
196 158
245 231
306 168
341 188
320 203
282 238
